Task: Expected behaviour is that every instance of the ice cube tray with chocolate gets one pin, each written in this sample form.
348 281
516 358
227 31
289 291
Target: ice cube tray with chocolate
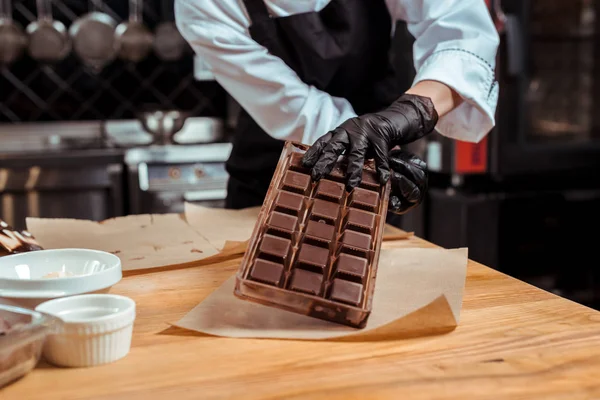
315 246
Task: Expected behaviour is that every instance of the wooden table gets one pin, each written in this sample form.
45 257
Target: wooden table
514 341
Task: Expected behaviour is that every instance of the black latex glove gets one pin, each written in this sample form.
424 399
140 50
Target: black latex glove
409 181
372 136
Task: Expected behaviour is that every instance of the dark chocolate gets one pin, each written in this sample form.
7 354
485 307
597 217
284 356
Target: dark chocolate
338 173
267 272
289 203
356 240
324 210
320 231
314 251
330 190
296 182
275 247
370 179
359 220
351 268
346 292
306 282
284 222
296 162
365 199
313 256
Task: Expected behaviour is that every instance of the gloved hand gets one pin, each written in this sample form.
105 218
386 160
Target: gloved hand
409 181
372 136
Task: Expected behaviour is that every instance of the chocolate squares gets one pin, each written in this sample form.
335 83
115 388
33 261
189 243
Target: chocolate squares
280 224
329 190
362 221
275 248
346 292
267 272
324 210
356 240
370 180
296 182
315 247
313 258
319 232
307 282
296 163
351 268
365 199
289 203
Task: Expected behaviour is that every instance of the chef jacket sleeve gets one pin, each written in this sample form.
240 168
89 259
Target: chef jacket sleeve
456 44
270 91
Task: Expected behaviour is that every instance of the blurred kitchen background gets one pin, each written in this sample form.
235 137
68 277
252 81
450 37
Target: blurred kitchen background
89 133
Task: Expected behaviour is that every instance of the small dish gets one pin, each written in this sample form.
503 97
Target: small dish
96 329
29 279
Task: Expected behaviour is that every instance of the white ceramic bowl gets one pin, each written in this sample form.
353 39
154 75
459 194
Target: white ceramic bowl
29 279
96 329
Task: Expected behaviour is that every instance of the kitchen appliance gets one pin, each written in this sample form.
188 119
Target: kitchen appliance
58 170
522 199
162 178
78 184
548 67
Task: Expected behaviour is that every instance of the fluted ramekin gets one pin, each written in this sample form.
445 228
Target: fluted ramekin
97 329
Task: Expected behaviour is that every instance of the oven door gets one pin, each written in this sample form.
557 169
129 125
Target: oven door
549 74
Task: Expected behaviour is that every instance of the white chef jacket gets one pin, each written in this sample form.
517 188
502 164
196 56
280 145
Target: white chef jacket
455 43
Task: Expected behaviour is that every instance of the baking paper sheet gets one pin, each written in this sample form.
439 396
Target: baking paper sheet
140 241
418 292
220 226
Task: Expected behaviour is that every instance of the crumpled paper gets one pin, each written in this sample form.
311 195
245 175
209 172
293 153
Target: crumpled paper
220 226
418 292
140 241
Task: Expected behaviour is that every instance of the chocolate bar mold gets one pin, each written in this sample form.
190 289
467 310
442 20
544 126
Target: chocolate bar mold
302 215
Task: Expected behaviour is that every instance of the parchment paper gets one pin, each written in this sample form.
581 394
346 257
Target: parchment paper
140 241
220 226
418 292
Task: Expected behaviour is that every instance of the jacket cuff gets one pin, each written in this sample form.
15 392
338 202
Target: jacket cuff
473 79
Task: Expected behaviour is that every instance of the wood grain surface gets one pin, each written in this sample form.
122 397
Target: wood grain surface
514 342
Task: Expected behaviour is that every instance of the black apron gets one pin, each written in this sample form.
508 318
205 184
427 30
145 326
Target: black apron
342 50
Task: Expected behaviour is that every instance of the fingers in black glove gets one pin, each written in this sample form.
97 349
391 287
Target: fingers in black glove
409 181
409 118
314 152
358 146
327 152
361 143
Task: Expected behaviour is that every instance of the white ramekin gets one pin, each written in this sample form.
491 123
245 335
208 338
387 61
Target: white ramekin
96 329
